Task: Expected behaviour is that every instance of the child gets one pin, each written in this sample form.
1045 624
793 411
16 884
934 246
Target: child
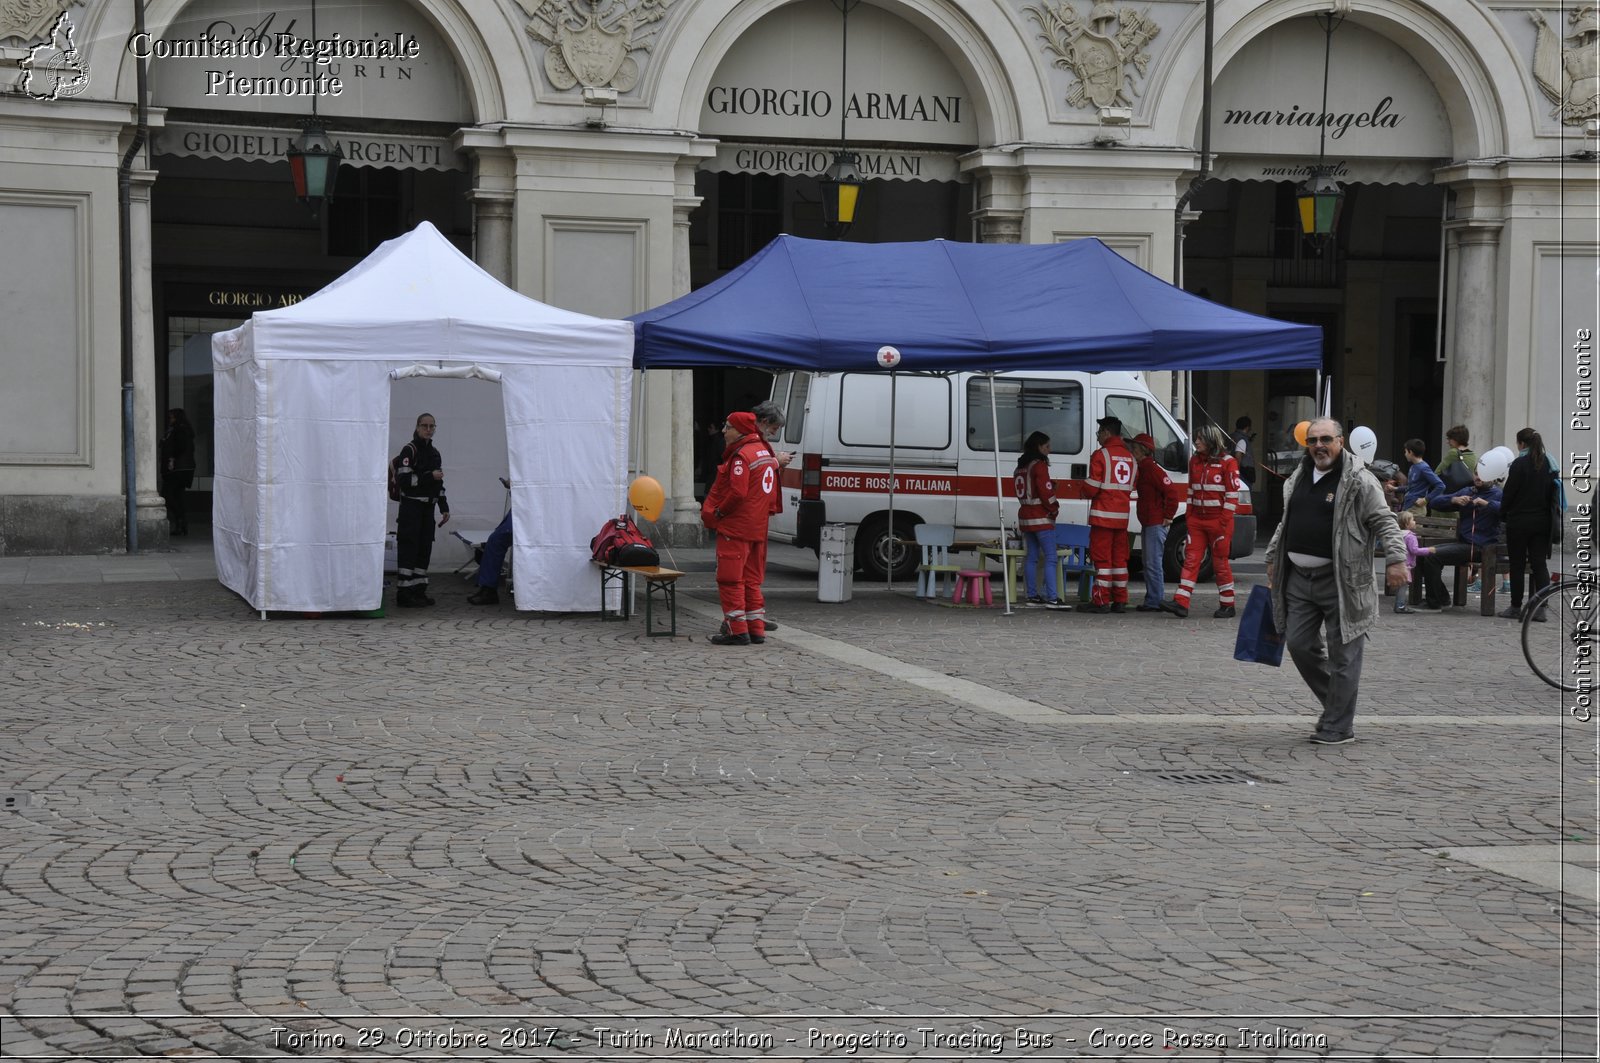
1408 524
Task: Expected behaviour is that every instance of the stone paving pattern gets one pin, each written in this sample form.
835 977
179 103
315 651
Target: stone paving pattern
459 820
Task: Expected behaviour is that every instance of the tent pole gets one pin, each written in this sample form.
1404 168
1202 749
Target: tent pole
893 538
1000 494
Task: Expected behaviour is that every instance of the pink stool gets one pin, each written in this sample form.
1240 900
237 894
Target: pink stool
973 584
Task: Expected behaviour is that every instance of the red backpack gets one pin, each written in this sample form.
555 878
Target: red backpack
620 542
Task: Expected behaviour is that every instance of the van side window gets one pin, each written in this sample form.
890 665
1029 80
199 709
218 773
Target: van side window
795 413
1024 405
921 410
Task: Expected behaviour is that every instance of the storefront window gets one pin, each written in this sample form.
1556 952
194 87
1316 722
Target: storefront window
189 386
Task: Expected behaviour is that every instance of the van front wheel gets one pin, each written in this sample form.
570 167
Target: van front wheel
877 548
1172 557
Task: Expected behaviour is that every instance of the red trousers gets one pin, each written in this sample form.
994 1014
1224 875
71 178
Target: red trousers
1218 535
1108 549
741 566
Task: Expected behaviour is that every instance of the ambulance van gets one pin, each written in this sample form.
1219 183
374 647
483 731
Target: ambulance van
944 455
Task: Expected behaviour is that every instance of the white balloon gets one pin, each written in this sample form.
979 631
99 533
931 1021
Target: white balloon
1364 441
1494 464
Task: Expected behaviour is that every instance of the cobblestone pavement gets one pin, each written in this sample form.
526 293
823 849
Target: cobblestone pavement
245 839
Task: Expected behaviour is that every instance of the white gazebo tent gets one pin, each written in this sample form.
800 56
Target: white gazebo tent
302 426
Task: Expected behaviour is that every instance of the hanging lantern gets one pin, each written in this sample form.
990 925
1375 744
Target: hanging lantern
1320 200
314 163
841 187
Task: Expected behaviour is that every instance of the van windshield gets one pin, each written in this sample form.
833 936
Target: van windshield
1024 405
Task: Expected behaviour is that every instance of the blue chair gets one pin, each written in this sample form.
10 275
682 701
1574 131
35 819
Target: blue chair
1072 556
935 541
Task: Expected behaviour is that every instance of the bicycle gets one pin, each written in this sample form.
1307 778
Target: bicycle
1559 636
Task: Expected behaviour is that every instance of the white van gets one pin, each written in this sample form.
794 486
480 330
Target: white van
944 454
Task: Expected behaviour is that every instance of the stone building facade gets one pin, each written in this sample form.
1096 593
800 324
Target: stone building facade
609 156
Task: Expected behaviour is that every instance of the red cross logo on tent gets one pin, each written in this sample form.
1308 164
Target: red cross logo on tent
888 357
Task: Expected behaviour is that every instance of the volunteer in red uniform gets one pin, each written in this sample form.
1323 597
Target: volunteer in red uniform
1111 476
1036 520
1156 502
737 508
1213 499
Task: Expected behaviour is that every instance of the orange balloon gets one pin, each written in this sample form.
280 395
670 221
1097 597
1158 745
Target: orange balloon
1300 432
647 497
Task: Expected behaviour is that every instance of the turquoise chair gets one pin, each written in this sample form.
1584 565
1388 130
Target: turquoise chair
935 541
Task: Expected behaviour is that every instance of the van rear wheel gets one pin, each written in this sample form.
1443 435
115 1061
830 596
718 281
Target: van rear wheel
877 548
1172 557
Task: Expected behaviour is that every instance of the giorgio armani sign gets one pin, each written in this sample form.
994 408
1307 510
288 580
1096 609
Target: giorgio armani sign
781 82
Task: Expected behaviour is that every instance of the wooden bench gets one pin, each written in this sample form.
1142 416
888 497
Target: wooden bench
659 583
1439 529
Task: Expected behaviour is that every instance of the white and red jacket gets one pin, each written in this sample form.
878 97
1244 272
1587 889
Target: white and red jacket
740 502
1213 489
1036 492
1110 484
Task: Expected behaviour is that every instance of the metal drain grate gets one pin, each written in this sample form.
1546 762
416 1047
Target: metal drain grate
1202 776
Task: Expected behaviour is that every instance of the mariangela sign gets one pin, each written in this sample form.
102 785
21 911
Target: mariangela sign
269 145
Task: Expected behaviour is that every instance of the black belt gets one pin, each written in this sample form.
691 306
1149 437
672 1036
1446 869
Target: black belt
1315 573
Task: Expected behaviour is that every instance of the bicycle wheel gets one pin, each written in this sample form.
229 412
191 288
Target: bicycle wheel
1561 649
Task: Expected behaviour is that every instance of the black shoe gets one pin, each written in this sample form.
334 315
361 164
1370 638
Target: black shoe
1223 612
1510 612
1179 611
1058 605
1119 607
1427 607
1094 607
1147 607
407 600
740 639
771 626
1538 615
485 596
1328 738
423 599
758 640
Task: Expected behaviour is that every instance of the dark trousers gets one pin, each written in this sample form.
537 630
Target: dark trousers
1528 548
413 547
1331 667
175 492
1433 567
494 553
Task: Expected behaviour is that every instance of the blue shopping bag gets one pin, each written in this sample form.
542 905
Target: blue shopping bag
1258 641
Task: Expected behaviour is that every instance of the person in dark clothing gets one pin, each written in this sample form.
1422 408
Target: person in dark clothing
1525 507
1477 527
419 472
177 469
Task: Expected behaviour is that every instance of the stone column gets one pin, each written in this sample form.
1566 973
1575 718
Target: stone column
492 224
1472 400
148 422
684 528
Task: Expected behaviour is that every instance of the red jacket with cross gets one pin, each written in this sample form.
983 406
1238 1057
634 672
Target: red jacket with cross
1111 476
739 503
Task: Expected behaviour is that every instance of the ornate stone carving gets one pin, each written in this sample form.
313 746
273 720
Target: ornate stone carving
588 41
54 69
1097 57
28 19
1569 75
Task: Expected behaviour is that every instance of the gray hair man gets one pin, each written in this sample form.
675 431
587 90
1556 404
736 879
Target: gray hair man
770 421
1319 566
